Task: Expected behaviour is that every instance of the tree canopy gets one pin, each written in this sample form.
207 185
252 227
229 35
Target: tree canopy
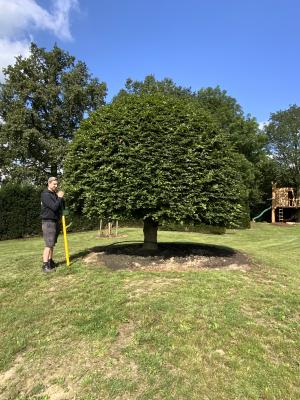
242 131
154 157
42 101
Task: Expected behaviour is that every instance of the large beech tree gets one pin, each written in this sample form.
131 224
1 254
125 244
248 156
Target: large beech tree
242 130
154 157
42 101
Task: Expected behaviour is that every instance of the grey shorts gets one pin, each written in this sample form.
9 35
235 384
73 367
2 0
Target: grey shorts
50 232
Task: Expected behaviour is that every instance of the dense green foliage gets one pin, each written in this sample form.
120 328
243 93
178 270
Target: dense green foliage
20 208
19 211
150 86
283 131
242 131
42 101
244 134
155 156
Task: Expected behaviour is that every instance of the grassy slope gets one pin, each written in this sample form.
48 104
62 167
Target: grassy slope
95 334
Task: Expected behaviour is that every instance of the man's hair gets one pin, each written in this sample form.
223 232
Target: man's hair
51 179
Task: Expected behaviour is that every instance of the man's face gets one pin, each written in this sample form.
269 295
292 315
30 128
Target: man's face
52 186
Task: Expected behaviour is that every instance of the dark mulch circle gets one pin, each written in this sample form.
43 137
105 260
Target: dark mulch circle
168 257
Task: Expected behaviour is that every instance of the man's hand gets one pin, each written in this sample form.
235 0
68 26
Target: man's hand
60 194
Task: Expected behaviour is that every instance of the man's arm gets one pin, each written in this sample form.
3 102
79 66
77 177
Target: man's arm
50 202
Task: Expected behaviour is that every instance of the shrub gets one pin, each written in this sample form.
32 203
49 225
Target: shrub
20 208
19 211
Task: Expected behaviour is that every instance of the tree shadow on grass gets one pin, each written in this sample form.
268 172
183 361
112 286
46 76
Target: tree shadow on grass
169 256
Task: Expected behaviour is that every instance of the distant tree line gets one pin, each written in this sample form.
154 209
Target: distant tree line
158 152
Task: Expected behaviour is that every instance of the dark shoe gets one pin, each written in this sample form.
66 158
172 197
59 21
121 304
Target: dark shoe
52 264
46 267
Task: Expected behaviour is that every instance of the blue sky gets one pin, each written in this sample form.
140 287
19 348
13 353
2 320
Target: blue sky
250 48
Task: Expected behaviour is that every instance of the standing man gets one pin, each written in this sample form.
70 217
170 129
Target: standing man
52 205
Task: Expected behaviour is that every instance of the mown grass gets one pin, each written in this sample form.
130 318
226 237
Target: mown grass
88 333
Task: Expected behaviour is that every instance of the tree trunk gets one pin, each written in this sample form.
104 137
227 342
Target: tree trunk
54 170
150 234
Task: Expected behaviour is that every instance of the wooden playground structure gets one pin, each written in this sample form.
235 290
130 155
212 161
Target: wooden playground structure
283 198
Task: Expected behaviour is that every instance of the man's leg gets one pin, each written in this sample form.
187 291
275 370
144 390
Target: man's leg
46 266
51 261
47 254
49 231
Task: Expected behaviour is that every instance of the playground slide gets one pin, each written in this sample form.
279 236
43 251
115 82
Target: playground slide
262 213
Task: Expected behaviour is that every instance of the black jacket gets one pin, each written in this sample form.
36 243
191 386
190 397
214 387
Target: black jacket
51 206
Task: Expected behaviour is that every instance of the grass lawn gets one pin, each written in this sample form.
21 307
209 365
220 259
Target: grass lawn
88 333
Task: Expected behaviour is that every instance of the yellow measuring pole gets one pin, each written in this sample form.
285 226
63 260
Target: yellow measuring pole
65 240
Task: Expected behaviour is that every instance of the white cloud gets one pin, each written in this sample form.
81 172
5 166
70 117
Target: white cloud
261 125
9 49
19 19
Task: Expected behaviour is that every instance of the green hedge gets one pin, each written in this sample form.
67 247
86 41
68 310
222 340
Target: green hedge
218 230
19 211
20 208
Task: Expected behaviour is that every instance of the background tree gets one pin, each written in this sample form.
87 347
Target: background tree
266 172
154 157
283 132
245 135
243 130
150 85
42 101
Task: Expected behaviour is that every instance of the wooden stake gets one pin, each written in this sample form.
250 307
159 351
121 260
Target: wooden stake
65 240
